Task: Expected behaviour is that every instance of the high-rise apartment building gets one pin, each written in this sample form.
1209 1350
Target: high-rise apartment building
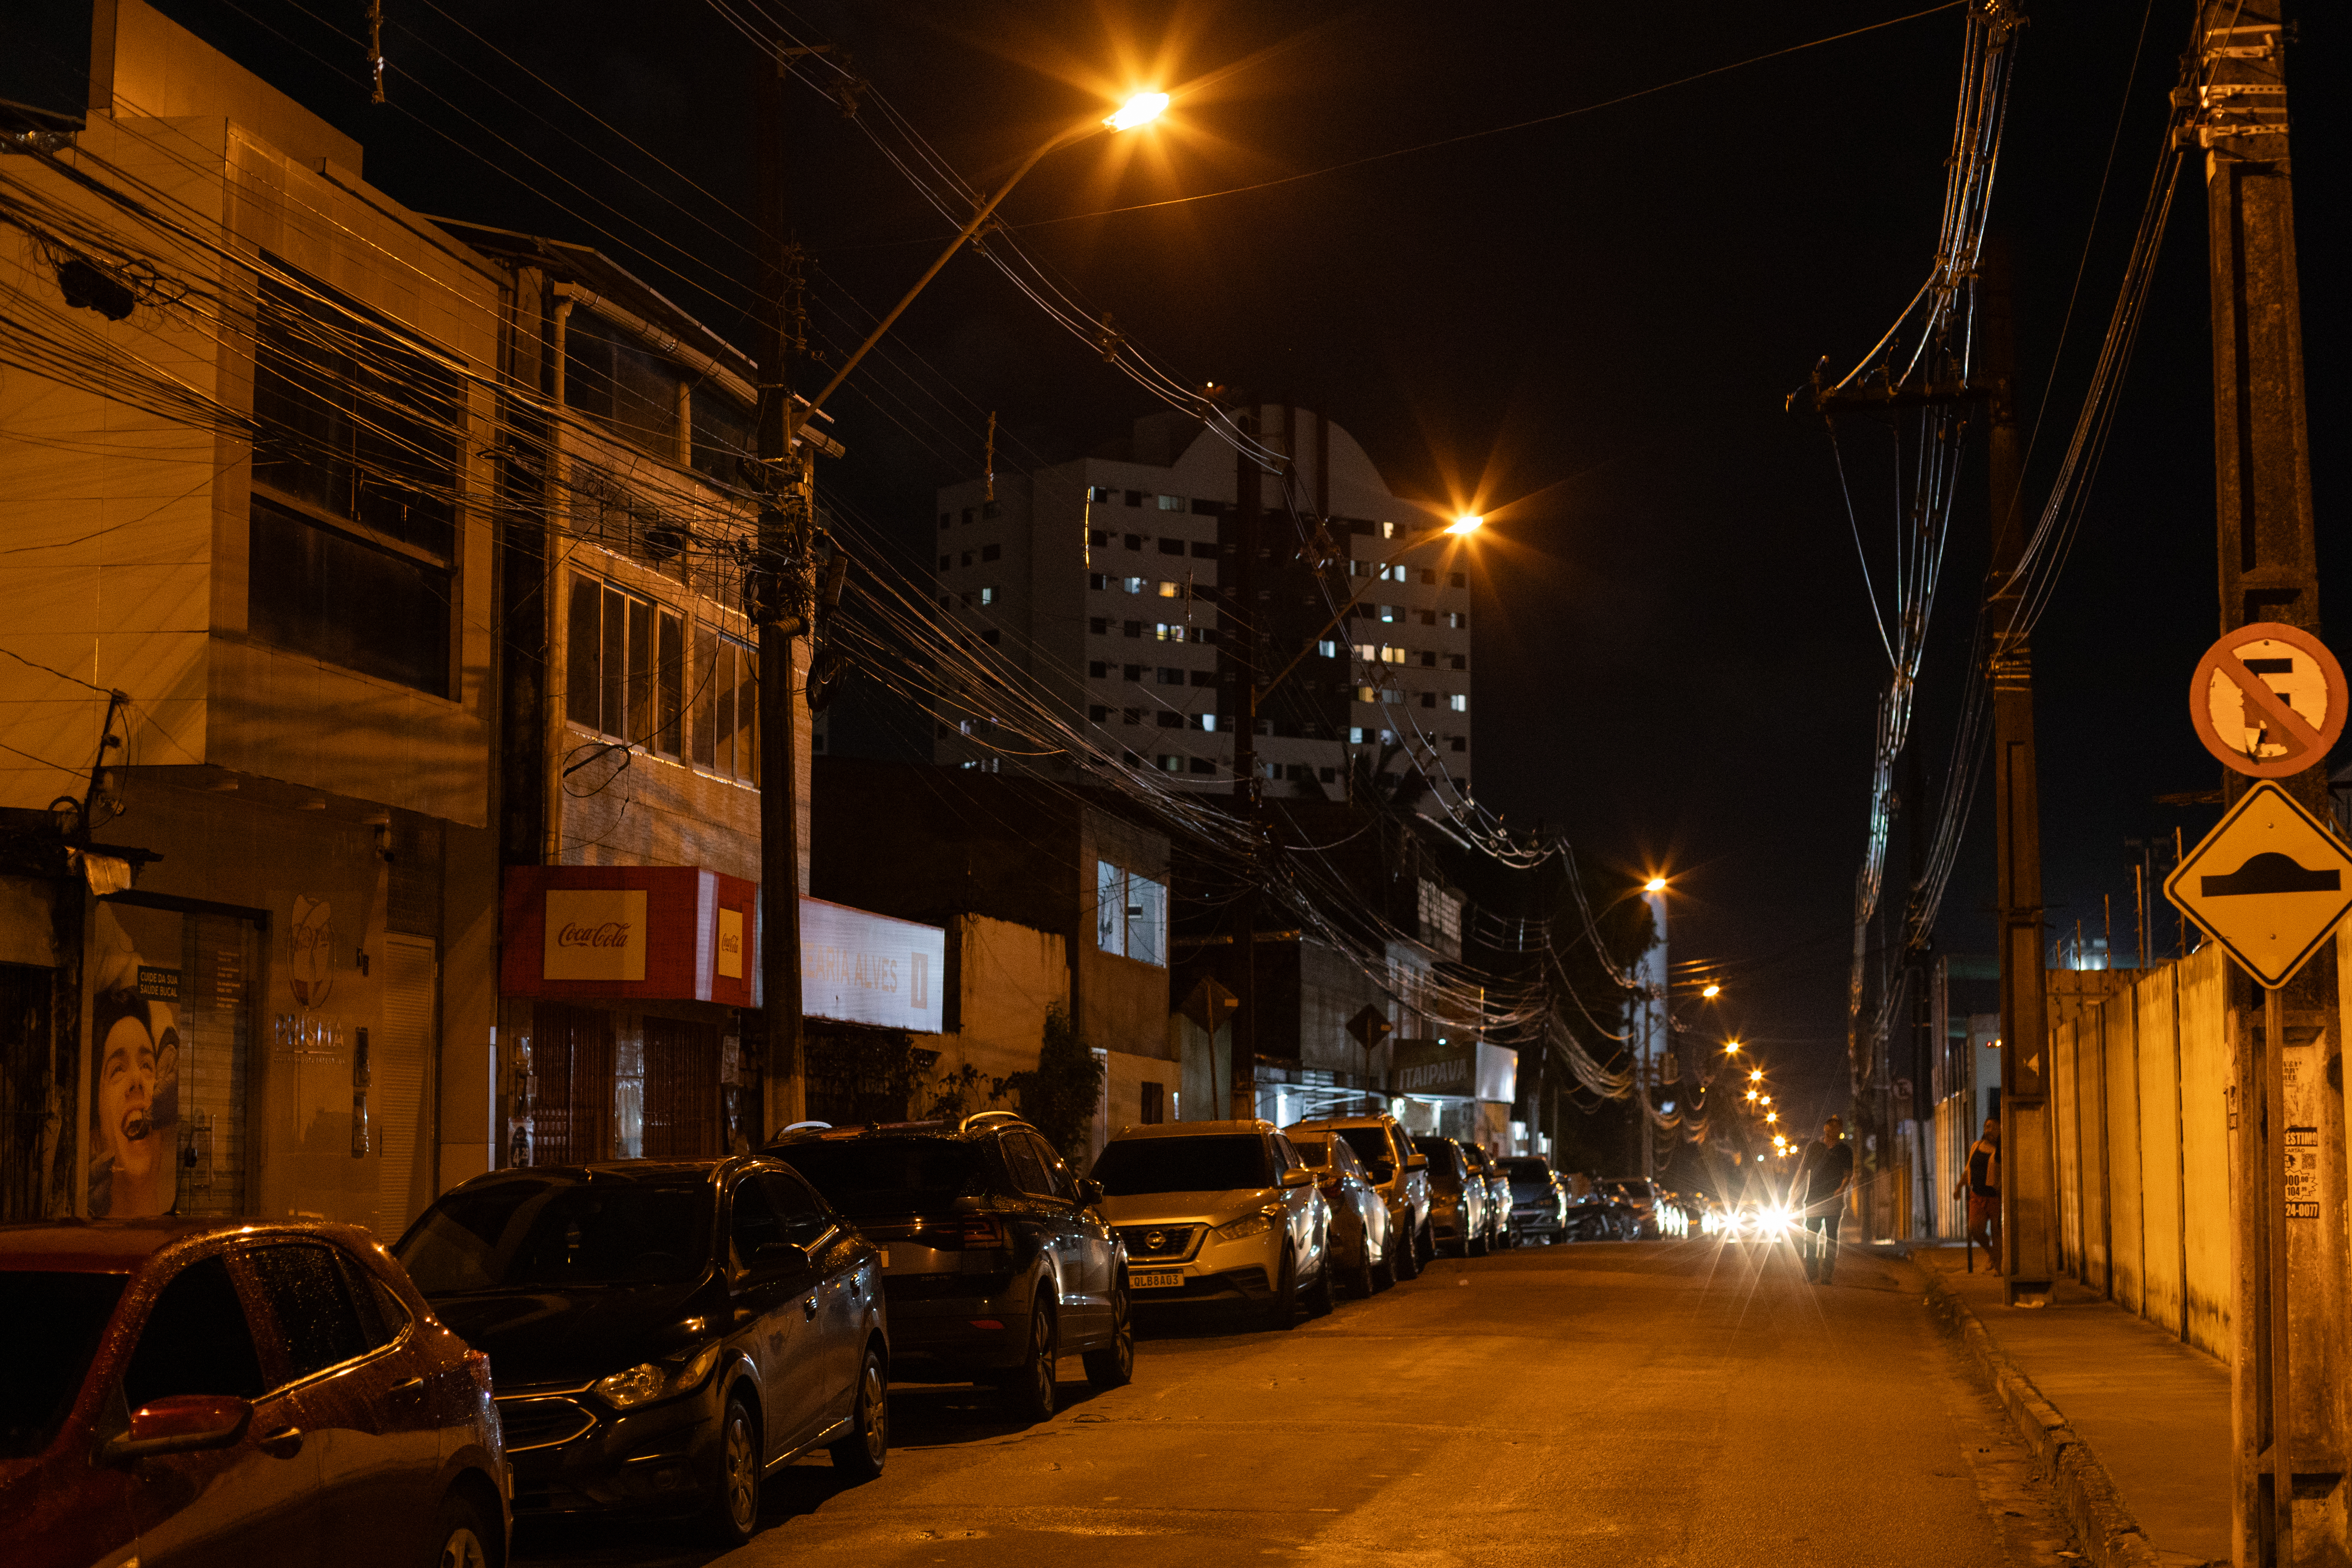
1113 582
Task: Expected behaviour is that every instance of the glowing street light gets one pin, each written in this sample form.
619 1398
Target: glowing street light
1731 1047
1654 885
1712 990
1755 1074
1467 523
1141 110
1771 1116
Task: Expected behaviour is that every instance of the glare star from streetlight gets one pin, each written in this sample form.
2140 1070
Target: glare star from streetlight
1467 523
1712 990
1141 110
1654 885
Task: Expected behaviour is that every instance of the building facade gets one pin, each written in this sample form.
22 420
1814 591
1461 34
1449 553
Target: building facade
1114 582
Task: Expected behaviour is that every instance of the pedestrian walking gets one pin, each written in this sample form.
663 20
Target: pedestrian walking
1982 1185
1822 1177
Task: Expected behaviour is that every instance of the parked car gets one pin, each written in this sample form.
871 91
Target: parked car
1594 1212
1539 1198
665 1334
1400 1172
1639 1195
1498 1195
1457 1196
236 1391
1360 1219
994 1259
1218 1211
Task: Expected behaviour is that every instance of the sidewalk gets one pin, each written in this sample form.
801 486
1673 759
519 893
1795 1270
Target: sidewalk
2148 1416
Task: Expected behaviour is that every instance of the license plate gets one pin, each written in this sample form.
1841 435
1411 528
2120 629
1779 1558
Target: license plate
1157 1280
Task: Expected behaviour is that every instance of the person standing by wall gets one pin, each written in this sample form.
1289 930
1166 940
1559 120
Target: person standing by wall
1822 1177
1982 1185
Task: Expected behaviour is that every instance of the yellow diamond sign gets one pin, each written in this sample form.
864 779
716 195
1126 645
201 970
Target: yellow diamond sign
2269 883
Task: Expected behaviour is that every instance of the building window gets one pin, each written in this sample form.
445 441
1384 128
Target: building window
1458 743
1131 672
1393 655
1204 678
1135 541
988 508
1170 590
1098 536
726 706
628 388
946 518
1134 629
1429 576
1330 775
1456 580
353 523
1201 765
1135 498
1429 700
1171 677
1426 617
987 596
991 552
1458 619
1097 714
1203 552
1459 702
1099 625
1170 762
1099 492
967 516
1458 661
965 560
1171 720
1154 1108
1130 716
1428 660
1097 670
1168 633
1171 546
1132 585
1171 503
946 562
624 670
1364 694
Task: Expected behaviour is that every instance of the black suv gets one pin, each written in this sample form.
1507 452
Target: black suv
994 1261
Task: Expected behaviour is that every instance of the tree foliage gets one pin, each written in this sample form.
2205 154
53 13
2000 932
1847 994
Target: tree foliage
1059 1097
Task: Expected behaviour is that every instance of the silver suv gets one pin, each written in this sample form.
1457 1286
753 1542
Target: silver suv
1218 1211
1400 1172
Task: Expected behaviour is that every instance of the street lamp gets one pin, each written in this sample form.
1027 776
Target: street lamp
1139 110
1654 885
1467 524
1712 990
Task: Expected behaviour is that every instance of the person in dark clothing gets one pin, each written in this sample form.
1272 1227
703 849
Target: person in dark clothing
1822 1177
1982 1185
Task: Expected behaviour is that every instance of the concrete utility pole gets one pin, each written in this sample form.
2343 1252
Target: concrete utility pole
1238 594
780 606
2287 1503
2029 1240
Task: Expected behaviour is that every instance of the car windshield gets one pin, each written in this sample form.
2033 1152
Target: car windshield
1312 1151
520 1234
863 1177
1371 1143
1213 1163
1527 1171
57 1317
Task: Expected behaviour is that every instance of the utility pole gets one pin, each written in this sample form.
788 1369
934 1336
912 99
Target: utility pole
2028 1233
2288 1304
779 604
1240 633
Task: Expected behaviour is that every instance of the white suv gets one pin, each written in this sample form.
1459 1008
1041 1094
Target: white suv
1218 1211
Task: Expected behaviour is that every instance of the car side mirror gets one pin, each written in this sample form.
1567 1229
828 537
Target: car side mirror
770 1258
1418 1163
1384 1170
181 1423
1297 1178
1090 1192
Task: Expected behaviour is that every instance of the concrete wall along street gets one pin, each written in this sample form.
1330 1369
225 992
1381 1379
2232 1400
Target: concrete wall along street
2139 1073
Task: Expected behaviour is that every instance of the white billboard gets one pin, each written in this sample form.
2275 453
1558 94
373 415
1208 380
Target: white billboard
861 968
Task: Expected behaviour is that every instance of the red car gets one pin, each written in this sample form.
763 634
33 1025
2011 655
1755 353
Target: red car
224 1393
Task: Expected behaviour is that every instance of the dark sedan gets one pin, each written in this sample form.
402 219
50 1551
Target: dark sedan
665 1334
183 1393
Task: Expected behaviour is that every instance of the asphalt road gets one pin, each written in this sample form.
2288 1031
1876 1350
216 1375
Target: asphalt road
1659 1403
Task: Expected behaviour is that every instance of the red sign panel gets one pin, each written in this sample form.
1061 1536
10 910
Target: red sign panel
674 933
2268 700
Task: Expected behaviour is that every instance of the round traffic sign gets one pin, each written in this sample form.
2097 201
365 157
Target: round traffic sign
2268 700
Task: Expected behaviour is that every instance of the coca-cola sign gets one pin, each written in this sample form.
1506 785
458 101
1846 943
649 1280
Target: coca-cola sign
595 934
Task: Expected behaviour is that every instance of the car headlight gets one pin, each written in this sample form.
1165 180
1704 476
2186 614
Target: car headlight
644 1383
1249 1225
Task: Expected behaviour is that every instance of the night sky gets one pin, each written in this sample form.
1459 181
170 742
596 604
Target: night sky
1585 327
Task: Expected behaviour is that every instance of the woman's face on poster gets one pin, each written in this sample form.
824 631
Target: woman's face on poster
126 1090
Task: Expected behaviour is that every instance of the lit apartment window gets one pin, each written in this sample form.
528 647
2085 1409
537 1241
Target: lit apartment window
1459 702
1329 648
353 519
1100 492
1357 736
1170 590
1133 584
987 596
1367 652
1365 694
1174 503
726 706
1458 619
1166 633
1205 722
1392 655
625 666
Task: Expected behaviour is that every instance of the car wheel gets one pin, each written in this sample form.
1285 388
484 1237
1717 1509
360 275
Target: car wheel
1425 1246
1405 1263
1281 1307
862 1454
1113 1366
1030 1388
1323 1296
465 1535
734 1513
1477 1245
1362 1280
1383 1274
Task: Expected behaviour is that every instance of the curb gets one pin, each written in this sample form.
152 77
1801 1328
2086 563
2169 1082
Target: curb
2103 1526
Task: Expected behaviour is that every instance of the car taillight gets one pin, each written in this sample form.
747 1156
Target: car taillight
982 1230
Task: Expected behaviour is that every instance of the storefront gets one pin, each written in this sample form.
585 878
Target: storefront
622 991
1454 1088
625 996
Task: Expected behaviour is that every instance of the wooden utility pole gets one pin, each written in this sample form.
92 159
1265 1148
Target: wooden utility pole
2288 1305
778 604
2029 1239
